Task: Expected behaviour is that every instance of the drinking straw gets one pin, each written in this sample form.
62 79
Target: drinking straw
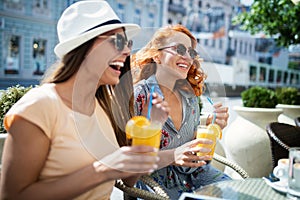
215 115
150 103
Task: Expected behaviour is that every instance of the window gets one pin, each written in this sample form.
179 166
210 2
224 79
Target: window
151 19
39 56
271 76
220 44
200 4
279 76
285 77
13 55
235 44
213 43
205 42
41 7
293 79
121 11
262 76
137 16
253 73
43 4
14 5
250 49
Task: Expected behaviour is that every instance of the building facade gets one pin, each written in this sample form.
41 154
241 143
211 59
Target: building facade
242 58
28 33
28 37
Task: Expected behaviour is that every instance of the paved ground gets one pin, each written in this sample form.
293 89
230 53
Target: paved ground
116 194
230 102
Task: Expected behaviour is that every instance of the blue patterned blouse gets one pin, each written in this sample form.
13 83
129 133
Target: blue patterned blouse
176 179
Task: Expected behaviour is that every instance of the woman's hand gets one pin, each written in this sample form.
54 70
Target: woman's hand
222 115
160 109
128 161
186 155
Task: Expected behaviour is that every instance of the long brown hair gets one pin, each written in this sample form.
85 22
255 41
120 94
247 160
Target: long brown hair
111 104
117 102
143 59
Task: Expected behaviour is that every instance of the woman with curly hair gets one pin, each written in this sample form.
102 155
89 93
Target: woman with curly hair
171 67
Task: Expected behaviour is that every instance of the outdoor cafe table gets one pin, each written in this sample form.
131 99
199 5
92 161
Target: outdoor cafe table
251 188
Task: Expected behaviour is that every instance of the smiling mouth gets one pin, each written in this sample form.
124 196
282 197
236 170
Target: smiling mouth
182 66
116 65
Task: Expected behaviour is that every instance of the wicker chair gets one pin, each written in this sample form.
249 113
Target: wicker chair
297 121
282 136
131 193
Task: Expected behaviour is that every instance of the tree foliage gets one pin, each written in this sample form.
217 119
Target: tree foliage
280 18
8 98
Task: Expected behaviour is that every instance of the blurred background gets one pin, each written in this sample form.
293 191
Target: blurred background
234 58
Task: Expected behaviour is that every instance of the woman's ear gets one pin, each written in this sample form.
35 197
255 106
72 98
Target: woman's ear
157 59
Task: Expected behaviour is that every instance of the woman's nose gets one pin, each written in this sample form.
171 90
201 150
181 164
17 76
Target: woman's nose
126 51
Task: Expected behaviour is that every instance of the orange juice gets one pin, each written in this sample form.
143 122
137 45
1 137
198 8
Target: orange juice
212 132
147 135
143 132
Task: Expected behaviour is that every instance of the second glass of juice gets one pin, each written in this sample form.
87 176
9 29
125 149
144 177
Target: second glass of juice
205 132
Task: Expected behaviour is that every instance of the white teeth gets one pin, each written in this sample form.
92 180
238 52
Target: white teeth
183 65
121 64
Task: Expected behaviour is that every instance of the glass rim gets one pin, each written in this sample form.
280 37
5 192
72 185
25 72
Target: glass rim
202 126
294 148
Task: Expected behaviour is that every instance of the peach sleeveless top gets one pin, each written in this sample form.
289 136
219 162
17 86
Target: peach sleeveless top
77 140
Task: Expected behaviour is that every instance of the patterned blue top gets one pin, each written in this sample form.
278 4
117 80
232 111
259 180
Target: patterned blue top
177 179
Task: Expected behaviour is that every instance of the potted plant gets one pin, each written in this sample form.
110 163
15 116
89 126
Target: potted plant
8 98
259 106
259 97
289 102
246 140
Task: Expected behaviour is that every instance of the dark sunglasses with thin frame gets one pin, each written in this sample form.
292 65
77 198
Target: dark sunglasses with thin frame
119 41
181 50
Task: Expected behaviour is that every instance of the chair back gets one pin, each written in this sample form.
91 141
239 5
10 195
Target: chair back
297 121
282 136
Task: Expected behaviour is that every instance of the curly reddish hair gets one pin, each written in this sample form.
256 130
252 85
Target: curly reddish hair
143 60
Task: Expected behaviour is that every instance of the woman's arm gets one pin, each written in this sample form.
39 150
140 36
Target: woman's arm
26 150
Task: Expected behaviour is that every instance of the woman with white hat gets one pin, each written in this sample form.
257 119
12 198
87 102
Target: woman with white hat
65 135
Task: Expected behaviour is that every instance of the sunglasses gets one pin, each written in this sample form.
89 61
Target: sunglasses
119 41
181 50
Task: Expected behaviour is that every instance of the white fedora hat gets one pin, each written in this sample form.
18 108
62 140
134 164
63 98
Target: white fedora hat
85 20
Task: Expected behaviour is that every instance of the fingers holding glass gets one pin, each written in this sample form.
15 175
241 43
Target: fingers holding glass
135 159
187 155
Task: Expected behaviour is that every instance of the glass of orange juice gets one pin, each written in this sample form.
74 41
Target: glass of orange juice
212 132
143 132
